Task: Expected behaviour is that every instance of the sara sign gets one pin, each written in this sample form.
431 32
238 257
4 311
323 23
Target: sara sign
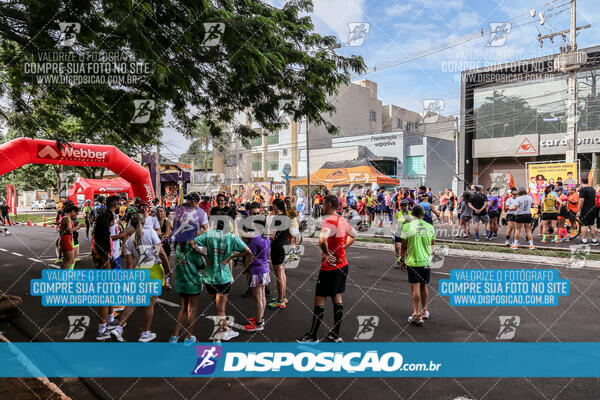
72 152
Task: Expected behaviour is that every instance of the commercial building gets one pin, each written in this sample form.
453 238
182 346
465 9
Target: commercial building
516 113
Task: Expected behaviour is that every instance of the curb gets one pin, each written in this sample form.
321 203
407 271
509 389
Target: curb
490 255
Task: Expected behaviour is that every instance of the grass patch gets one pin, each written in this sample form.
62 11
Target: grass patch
35 218
566 253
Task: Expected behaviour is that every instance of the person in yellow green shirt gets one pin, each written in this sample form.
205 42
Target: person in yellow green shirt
401 217
418 239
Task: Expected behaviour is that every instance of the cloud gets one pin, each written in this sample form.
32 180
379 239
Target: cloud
398 10
334 15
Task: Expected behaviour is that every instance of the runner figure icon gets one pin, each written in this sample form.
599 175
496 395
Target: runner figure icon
207 356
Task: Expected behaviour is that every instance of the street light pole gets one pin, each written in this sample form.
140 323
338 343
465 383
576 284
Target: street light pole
309 197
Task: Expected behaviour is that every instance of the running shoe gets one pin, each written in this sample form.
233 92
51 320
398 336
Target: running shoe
252 319
105 334
425 314
531 247
112 325
514 247
148 337
594 243
275 303
189 341
254 326
118 308
173 339
228 335
477 239
507 243
308 338
416 320
331 336
117 334
544 241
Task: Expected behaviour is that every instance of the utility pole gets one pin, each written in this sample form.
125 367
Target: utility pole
308 196
569 61
157 171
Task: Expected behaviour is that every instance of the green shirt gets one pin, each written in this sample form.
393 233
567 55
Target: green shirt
400 218
219 246
86 210
419 235
369 201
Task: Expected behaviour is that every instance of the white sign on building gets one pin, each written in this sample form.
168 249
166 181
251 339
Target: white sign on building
381 144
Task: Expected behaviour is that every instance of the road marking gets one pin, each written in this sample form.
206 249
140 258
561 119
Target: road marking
3 249
16 254
168 303
441 273
54 266
35 260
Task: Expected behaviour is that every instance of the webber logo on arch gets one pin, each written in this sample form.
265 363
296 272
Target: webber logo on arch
71 152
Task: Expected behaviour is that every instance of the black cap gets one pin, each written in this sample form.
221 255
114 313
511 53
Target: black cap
195 197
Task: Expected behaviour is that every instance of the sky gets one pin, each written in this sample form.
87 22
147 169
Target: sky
401 30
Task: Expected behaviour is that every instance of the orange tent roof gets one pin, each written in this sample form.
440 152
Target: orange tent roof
344 173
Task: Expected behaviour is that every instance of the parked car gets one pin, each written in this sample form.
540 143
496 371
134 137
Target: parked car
47 204
35 205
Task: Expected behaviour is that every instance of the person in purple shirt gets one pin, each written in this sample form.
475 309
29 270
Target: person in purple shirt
494 214
258 270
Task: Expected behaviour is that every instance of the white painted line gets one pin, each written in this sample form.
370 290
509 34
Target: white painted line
35 260
54 266
167 303
441 273
3 249
16 254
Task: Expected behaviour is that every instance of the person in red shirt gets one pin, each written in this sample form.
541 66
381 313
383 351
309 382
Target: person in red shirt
205 204
336 236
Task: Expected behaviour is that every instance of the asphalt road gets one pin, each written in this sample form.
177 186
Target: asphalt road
374 289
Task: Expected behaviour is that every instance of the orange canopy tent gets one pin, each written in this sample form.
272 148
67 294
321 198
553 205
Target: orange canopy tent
344 173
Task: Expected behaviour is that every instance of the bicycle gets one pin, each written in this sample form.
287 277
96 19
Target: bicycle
307 226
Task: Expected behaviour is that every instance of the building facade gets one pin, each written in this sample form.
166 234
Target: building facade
516 113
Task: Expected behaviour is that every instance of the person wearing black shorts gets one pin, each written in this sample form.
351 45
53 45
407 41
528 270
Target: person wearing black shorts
280 237
336 236
587 212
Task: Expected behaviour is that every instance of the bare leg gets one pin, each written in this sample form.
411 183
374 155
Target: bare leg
192 310
424 296
416 298
281 281
181 317
148 314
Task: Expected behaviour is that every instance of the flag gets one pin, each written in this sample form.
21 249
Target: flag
511 180
14 200
9 195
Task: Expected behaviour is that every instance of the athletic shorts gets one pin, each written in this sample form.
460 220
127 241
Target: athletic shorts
115 262
218 289
256 280
549 216
277 254
371 210
493 214
66 242
588 218
156 272
75 239
418 274
443 207
465 217
484 219
510 217
331 282
397 239
523 218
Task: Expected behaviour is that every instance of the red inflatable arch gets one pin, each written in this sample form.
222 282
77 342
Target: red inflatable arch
18 152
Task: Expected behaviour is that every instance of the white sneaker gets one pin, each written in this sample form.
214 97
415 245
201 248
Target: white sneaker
150 336
425 314
105 334
117 334
228 335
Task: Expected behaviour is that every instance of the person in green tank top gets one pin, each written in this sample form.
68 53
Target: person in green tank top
401 217
416 254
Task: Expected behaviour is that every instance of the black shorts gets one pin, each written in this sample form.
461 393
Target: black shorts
510 217
549 216
523 218
331 282
277 254
494 214
465 217
397 239
443 207
588 218
418 274
218 289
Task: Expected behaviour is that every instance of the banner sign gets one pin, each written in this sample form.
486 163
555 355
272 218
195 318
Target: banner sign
323 360
544 173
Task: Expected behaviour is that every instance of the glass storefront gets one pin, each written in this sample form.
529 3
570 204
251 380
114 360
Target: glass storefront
535 107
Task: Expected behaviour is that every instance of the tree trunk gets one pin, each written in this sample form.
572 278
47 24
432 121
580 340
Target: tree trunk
206 155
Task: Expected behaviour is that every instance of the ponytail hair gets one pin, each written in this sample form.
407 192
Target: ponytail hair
137 221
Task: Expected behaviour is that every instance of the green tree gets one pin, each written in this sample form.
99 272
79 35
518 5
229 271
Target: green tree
265 54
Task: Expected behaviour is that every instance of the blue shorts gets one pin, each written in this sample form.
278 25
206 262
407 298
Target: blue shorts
115 263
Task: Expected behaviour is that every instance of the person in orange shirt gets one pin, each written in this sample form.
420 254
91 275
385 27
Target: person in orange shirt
573 202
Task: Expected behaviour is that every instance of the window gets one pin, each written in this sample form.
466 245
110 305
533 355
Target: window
256 166
373 116
231 160
414 166
273 138
399 123
256 142
273 165
285 152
